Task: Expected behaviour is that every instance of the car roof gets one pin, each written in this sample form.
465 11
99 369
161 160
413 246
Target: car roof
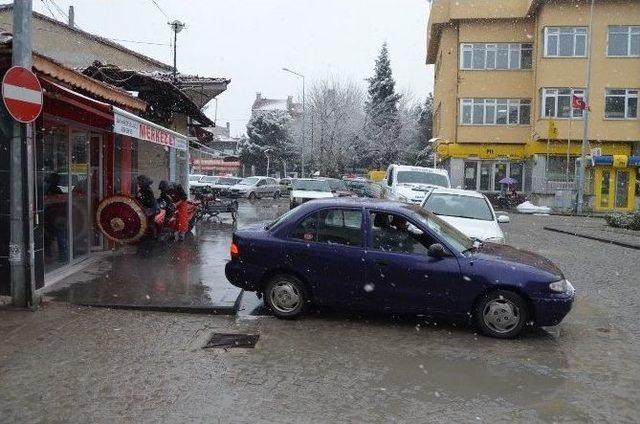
420 169
358 202
458 191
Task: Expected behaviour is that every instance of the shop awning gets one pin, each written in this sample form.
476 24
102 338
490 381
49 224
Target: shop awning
131 125
617 161
60 92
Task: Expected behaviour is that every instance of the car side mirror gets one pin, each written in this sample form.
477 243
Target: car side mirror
436 250
504 219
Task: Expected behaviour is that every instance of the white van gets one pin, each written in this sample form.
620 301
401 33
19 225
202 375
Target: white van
410 184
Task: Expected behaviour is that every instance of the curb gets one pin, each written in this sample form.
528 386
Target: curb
210 310
590 237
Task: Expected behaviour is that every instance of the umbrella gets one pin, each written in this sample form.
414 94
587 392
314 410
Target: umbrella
508 181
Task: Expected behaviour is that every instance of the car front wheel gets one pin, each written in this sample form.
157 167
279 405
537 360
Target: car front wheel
501 314
276 194
286 296
252 195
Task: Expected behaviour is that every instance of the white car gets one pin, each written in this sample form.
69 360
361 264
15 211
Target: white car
256 187
410 184
205 181
468 211
305 189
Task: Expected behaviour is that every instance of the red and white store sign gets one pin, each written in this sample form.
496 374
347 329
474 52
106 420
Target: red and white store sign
22 94
128 124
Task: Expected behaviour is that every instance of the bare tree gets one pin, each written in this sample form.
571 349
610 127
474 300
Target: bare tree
335 117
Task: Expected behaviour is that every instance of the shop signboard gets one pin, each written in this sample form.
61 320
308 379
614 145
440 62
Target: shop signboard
133 126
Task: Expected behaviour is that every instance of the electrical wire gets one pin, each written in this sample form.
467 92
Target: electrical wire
54 16
160 9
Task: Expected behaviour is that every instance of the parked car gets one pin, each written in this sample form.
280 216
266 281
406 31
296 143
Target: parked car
205 181
362 187
410 184
387 256
255 187
468 211
339 188
305 189
222 185
286 184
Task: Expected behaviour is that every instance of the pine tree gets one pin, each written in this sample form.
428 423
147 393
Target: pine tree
267 133
382 126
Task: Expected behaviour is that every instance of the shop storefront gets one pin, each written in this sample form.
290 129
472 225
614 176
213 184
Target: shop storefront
543 169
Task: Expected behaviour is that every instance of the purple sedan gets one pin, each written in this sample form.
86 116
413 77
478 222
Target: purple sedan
392 257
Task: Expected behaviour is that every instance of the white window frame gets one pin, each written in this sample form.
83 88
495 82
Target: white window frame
555 31
630 30
554 92
630 93
495 103
492 176
511 49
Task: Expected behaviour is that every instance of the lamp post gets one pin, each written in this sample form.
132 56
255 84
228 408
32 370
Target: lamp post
304 117
176 26
433 142
265 151
585 116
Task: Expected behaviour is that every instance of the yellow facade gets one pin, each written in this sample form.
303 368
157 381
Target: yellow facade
453 24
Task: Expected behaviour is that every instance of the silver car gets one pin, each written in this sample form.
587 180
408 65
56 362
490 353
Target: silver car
256 187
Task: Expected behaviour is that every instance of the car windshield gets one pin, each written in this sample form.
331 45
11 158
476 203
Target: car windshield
422 177
457 205
194 178
312 185
227 181
448 233
249 181
209 179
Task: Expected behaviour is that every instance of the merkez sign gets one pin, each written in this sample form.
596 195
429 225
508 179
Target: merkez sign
130 125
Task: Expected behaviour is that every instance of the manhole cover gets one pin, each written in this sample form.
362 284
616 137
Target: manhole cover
232 341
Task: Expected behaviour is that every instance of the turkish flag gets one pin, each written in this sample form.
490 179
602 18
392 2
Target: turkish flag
577 102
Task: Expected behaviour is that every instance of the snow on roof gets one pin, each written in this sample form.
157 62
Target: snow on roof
271 104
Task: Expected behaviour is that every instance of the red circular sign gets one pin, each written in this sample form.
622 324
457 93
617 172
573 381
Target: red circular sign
22 94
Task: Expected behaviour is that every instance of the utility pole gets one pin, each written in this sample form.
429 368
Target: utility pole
585 116
176 26
304 117
21 243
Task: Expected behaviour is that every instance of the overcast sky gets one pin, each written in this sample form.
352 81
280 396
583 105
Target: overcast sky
249 41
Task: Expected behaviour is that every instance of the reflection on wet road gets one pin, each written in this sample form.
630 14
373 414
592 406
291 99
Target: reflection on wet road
171 275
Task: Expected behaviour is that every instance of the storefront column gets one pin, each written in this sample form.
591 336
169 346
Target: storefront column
172 165
125 166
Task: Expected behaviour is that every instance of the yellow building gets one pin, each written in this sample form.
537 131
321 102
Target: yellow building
507 73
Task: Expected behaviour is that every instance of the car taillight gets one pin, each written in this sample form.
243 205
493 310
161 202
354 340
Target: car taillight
235 252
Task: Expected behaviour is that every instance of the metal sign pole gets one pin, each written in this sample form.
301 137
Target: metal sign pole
21 255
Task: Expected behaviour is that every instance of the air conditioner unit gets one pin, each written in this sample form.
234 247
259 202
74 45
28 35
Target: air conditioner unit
596 151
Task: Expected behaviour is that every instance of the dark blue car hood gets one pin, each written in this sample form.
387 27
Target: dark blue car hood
515 257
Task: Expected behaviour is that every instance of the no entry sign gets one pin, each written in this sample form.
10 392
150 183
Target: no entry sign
22 94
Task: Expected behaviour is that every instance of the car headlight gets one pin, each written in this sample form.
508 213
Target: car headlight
499 240
559 286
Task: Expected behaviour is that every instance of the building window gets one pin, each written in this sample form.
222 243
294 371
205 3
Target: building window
485 175
624 41
621 104
561 168
495 111
481 56
565 42
557 103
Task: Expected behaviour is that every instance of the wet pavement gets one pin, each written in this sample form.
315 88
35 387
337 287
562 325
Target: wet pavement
171 276
74 364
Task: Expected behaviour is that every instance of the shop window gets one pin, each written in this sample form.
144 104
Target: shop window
561 169
471 175
622 189
499 172
485 176
56 196
604 190
516 171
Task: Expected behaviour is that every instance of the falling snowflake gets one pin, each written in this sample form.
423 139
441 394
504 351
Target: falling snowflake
369 287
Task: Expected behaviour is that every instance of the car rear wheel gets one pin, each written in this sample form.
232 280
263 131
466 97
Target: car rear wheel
286 296
252 195
276 194
501 314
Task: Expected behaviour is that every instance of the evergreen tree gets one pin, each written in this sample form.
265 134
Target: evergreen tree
382 125
267 133
419 153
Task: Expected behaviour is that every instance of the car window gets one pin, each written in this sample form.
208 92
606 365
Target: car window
332 226
393 233
461 206
422 177
261 183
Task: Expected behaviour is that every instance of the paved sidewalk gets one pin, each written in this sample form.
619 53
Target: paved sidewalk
595 229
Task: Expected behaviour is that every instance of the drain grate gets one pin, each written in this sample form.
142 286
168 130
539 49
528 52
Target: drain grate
232 341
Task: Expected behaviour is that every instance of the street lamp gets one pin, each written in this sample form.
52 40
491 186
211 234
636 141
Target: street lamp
176 27
265 151
304 113
433 142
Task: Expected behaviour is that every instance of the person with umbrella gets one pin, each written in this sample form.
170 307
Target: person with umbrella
508 193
